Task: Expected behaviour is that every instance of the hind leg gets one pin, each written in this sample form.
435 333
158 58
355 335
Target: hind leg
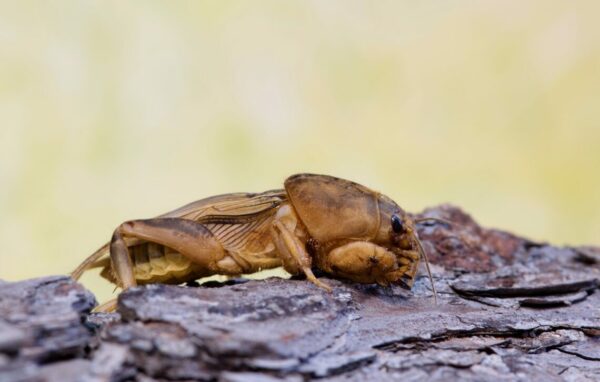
192 239
106 307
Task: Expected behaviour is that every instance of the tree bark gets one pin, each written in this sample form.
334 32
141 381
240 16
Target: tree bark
508 309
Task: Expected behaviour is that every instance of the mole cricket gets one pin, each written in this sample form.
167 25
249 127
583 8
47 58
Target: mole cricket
335 225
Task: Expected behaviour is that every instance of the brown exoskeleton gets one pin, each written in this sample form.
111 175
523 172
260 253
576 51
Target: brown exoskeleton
338 226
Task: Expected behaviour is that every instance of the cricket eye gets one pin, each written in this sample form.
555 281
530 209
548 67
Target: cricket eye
397 224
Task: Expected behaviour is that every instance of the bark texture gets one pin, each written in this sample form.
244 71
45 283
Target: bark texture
509 309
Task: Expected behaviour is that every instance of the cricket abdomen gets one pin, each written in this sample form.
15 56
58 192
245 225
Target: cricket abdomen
155 263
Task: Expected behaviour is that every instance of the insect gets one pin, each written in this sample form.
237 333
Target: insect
335 225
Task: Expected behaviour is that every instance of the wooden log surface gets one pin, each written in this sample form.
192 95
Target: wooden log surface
509 309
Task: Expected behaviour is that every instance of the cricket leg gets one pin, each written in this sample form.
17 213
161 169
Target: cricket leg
408 261
106 307
190 238
293 254
362 262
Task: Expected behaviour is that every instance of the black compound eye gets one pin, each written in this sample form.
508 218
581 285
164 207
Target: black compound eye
397 224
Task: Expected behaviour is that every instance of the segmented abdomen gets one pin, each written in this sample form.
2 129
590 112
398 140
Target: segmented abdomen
155 263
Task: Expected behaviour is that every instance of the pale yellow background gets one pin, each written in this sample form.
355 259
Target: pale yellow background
118 110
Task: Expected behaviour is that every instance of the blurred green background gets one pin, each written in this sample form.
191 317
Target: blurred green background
117 110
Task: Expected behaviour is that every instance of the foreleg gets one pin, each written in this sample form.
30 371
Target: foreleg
365 262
